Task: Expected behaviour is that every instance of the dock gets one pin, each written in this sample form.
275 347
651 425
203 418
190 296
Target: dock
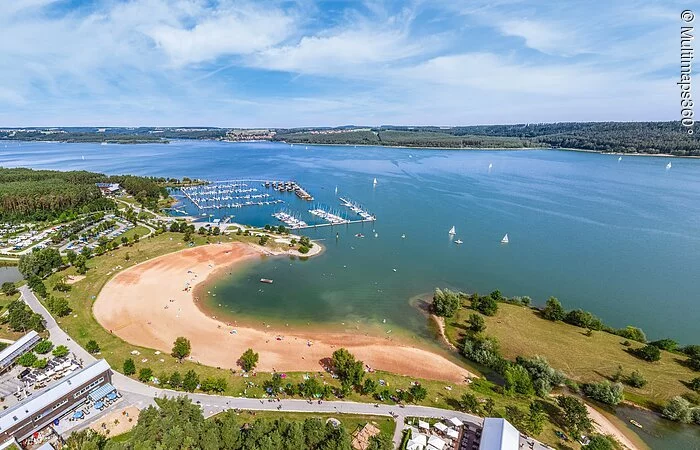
288 186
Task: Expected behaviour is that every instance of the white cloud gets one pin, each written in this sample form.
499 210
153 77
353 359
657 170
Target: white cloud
224 32
545 36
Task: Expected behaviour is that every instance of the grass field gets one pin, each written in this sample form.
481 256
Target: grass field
5 332
522 332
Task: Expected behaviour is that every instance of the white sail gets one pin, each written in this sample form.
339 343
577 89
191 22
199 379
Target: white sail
375 181
452 230
336 189
619 159
505 239
668 166
490 166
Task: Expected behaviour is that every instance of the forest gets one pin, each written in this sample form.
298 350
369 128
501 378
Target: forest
623 137
44 195
178 424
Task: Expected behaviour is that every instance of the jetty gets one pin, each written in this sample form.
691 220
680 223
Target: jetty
357 209
292 222
227 194
289 186
331 218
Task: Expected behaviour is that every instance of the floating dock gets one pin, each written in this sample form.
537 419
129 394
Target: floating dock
354 207
289 186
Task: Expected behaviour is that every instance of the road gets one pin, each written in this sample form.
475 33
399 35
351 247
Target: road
141 395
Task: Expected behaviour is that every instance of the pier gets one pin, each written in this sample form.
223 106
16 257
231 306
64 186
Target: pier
354 207
289 186
225 194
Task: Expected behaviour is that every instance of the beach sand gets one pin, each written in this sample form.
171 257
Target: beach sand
148 305
604 426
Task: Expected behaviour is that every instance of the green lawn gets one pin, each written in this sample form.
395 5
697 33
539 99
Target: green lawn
5 333
522 332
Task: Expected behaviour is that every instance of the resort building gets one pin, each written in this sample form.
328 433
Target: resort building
53 402
9 354
108 188
499 434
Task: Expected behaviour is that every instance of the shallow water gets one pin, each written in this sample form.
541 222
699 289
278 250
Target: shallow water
9 273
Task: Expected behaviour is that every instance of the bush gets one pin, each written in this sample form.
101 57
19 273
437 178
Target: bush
605 392
636 379
190 381
665 344
8 288
583 319
695 384
485 351
92 346
60 351
553 310
647 353
691 350
58 306
634 333
43 346
145 374
445 303
129 367
303 249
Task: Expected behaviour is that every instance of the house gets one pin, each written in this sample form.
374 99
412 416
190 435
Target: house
499 434
108 188
12 352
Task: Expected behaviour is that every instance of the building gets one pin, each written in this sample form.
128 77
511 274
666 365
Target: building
52 402
108 188
362 436
499 434
9 354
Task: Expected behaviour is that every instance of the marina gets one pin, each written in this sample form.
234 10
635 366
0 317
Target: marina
354 207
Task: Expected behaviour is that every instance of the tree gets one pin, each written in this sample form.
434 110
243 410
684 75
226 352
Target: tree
518 381
678 409
181 348
145 374
71 256
370 386
553 310
87 439
574 414
469 403
43 346
418 393
380 442
21 318
476 323
190 381
600 442
348 369
27 360
604 392
39 262
649 353
58 306
583 319
544 377
129 367
636 379
487 304
445 303
248 360
60 351
175 380
92 346
40 363
534 423
634 333
9 288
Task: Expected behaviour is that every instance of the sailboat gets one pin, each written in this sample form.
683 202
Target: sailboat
336 189
668 166
374 182
619 159
505 239
452 230
459 241
490 166
83 157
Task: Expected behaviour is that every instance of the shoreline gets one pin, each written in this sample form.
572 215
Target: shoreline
142 310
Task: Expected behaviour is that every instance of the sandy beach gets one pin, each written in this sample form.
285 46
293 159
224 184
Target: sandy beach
152 303
604 426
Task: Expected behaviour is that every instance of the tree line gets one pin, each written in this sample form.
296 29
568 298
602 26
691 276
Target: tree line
177 423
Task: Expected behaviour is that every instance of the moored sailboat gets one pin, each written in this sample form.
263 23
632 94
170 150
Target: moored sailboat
505 239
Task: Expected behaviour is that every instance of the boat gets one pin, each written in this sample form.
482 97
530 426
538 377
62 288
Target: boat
403 236
490 166
374 182
505 239
459 241
619 159
359 235
83 157
452 230
266 280
636 424
668 166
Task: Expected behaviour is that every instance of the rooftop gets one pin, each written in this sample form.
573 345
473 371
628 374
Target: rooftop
7 351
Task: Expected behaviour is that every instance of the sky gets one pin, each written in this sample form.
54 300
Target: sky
328 63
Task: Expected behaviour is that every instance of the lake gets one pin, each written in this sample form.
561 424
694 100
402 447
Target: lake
617 238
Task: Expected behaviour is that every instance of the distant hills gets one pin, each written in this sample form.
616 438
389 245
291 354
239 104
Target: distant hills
620 137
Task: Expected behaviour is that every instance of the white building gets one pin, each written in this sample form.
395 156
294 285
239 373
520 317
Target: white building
499 434
9 354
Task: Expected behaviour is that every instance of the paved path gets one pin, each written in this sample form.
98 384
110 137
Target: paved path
141 395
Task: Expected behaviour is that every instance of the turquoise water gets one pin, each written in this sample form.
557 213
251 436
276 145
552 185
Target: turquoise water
619 239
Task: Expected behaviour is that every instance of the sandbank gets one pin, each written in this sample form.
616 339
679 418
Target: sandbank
151 304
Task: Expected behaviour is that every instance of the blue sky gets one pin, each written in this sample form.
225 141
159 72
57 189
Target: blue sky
305 63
